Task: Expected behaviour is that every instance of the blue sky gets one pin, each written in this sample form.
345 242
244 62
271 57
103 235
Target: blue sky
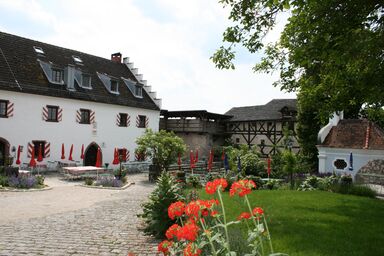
170 41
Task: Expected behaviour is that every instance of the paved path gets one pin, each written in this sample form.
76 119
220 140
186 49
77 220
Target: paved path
73 220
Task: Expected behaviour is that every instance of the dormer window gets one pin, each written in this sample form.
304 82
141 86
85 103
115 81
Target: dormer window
38 50
83 79
55 75
114 85
110 83
77 59
135 88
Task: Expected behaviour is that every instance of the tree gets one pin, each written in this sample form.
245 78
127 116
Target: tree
330 52
289 162
163 147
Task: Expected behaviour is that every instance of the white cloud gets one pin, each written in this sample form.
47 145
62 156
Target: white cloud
172 55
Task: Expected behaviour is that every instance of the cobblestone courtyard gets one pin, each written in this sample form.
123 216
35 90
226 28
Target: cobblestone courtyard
106 225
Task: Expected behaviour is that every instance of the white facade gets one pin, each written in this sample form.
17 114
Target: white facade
27 125
328 157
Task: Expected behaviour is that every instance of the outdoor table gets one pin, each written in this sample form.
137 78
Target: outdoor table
24 173
80 170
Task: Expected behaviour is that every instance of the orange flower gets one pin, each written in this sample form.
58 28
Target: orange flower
213 186
214 213
244 215
191 250
164 246
257 211
176 210
192 209
242 187
172 231
188 232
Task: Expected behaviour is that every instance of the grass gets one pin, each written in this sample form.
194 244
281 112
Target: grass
317 222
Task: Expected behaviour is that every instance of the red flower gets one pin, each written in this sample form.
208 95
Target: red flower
176 210
188 232
257 211
191 250
244 215
164 246
214 213
172 231
192 209
242 187
213 186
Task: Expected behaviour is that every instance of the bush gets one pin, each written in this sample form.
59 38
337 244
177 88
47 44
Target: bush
25 182
361 190
124 180
88 181
155 211
40 180
3 181
272 184
109 182
123 172
258 181
194 181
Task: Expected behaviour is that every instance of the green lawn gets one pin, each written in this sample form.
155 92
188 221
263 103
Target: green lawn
318 222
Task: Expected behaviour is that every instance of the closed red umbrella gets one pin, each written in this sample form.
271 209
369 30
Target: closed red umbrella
191 160
18 155
70 153
115 157
62 151
32 163
98 157
197 156
40 155
269 166
82 151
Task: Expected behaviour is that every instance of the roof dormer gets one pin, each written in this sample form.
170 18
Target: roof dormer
111 83
54 74
135 88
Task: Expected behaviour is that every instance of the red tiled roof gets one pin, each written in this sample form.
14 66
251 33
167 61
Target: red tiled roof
355 133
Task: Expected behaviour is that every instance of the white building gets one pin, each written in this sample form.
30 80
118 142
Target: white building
342 137
50 96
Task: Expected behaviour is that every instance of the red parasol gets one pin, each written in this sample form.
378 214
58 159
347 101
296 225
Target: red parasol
98 157
82 151
269 166
197 156
70 153
210 160
115 157
40 155
62 151
191 160
32 163
223 155
18 155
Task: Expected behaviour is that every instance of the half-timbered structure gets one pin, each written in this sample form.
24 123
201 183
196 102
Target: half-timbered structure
263 125
52 98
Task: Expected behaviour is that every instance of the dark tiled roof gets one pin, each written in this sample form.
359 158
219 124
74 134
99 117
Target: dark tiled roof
194 113
270 111
18 56
352 133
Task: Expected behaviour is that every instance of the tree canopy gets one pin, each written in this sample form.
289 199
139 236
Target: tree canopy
163 147
331 51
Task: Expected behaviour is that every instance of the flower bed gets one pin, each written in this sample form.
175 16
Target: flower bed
22 182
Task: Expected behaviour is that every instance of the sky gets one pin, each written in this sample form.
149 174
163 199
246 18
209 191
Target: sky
169 41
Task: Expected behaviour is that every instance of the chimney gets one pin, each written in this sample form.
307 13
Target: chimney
116 57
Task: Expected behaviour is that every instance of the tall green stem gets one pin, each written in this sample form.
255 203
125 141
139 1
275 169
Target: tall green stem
213 249
256 224
269 235
225 220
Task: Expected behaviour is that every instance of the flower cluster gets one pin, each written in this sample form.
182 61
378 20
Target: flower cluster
203 225
213 186
176 210
242 187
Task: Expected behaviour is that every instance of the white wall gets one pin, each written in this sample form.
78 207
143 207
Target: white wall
327 156
27 125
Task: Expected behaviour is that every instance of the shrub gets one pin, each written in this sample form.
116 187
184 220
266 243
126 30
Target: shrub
361 190
346 180
155 211
88 181
272 184
109 182
258 181
194 181
124 180
3 181
26 182
123 172
40 180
